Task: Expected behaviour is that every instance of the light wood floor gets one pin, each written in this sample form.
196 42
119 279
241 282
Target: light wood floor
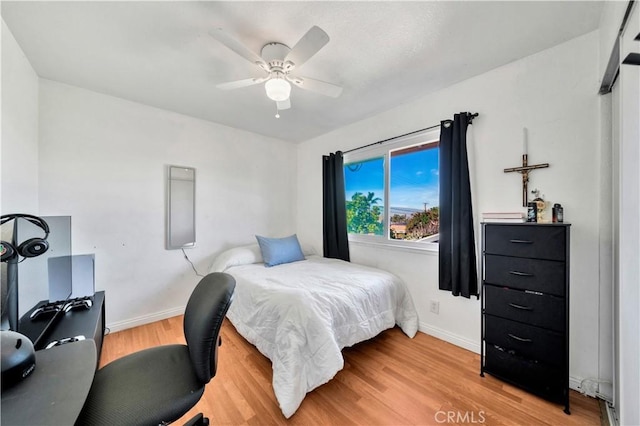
389 380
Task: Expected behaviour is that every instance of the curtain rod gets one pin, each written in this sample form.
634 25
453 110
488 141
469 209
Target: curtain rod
471 117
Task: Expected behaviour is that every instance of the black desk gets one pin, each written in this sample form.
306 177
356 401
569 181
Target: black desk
56 390
89 323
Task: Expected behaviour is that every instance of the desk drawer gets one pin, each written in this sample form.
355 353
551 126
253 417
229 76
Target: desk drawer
544 276
539 242
526 341
541 310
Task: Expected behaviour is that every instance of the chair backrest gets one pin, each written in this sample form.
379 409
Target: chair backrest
203 318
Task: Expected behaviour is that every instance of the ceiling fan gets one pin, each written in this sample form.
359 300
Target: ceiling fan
278 61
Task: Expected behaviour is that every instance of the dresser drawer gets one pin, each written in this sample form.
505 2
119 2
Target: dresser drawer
545 276
526 341
539 242
538 377
541 310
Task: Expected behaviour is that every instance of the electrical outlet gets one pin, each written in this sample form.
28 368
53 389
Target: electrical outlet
435 307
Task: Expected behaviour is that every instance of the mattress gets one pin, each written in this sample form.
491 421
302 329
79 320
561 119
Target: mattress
302 314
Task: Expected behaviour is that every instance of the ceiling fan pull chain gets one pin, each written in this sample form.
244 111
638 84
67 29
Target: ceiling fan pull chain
277 111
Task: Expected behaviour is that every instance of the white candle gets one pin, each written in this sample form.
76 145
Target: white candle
524 140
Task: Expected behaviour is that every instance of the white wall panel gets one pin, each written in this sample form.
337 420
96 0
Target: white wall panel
19 140
103 162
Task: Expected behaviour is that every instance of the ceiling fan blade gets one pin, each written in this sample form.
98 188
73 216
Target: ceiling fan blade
317 86
308 46
240 83
242 50
286 104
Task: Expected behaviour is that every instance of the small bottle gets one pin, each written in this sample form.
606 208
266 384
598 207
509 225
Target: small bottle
540 208
558 213
532 211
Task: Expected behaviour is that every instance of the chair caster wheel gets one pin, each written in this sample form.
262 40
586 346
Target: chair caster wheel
198 420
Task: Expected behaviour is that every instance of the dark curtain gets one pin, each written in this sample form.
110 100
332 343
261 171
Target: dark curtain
334 208
457 268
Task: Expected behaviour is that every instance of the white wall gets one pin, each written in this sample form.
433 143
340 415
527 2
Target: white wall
19 137
554 95
102 161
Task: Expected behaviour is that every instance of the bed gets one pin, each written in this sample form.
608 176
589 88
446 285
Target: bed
301 315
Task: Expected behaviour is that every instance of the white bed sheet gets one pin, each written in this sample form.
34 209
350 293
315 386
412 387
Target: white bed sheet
300 315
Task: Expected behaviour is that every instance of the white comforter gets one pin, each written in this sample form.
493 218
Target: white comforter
300 315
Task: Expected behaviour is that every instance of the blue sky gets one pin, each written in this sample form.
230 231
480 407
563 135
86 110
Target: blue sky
414 179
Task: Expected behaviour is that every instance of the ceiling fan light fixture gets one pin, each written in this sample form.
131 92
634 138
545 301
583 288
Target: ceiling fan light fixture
278 89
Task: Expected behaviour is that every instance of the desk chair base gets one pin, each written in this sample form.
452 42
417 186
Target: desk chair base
198 420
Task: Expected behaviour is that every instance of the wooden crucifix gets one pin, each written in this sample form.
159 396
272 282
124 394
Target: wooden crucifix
525 169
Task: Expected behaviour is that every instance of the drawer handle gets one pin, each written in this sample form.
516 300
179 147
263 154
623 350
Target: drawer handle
521 274
519 339
524 308
521 241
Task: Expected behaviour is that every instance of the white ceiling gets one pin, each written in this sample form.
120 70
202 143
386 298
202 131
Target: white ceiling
383 53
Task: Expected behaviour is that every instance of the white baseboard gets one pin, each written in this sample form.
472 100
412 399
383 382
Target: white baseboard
575 383
145 319
591 387
447 336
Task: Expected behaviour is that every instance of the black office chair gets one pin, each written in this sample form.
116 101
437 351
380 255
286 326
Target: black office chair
159 385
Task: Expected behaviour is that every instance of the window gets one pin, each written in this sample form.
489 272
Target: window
364 188
392 192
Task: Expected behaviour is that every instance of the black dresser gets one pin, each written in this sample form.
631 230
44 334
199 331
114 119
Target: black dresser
525 307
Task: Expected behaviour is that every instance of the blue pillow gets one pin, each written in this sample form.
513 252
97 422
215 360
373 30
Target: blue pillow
276 251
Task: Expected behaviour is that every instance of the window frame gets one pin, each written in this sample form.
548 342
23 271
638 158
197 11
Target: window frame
384 151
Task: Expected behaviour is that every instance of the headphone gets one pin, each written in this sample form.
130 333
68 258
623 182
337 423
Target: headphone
29 248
